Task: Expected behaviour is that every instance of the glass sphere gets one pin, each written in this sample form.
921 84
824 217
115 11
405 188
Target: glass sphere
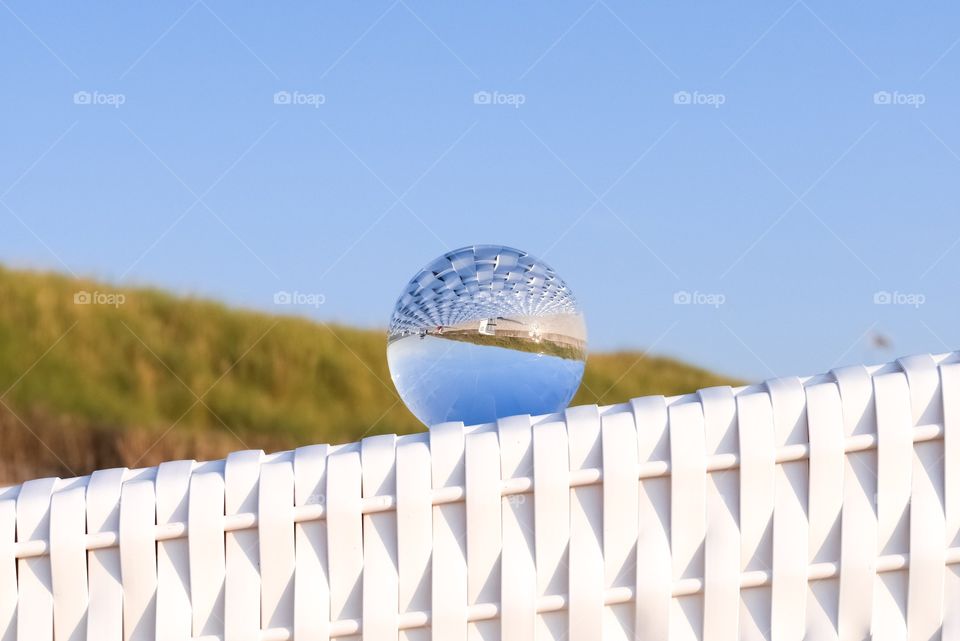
485 332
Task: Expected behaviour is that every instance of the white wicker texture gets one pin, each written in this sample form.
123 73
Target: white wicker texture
817 508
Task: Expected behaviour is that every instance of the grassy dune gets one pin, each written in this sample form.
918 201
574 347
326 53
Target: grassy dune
84 386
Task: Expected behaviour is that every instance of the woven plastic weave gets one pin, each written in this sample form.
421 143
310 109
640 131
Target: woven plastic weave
818 508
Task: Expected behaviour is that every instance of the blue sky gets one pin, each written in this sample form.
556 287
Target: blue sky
786 164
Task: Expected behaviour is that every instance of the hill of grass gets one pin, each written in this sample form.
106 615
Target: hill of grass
84 386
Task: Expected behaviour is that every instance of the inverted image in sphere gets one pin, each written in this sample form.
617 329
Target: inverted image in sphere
484 332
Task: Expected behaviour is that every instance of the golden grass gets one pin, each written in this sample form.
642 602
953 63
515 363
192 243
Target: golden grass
161 377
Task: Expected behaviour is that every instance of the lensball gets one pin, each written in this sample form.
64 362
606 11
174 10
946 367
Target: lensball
486 332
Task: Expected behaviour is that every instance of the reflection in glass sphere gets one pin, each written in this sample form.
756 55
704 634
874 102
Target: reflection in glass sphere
485 332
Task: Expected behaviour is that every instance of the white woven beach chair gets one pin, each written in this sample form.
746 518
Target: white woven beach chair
803 508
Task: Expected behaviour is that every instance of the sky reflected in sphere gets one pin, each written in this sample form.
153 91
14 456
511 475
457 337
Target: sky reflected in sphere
485 332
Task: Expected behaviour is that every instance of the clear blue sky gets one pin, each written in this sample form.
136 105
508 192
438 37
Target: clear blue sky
794 202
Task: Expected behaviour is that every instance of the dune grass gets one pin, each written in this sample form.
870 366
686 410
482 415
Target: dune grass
161 376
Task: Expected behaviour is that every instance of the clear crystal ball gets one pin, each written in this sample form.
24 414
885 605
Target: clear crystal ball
485 332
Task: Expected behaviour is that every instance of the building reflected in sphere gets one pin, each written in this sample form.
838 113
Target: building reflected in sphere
485 332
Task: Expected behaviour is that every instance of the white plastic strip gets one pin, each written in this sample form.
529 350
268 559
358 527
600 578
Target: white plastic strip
242 595
757 487
518 589
789 585
344 534
173 557
826 464
138 560
414 529
311 616
654 569
551 483
621 499
206 549
380 596
68 563
276 544
927 509
894 464
483 526
927 552
950 387
721 582
688 476
8 564
755 417
926 407
105 613
586 522
858 542
894 470
688 500
35 622
688 507
449 568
